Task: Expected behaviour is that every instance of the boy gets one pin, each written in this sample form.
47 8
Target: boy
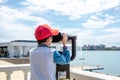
43 60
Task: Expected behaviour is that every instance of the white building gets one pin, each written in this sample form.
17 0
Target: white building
16 48
20 48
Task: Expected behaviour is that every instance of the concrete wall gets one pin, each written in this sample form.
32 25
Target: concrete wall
17 60
77 74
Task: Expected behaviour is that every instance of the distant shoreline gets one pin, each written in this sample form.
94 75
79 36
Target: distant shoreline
100 50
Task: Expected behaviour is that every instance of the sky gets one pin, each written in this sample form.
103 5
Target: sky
92 21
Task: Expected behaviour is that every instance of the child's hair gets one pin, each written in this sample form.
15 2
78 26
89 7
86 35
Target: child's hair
42 41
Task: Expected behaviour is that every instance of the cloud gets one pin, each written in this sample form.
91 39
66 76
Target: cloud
112 30
84 36
96 22
91 37
15 14
3 1
108 36
19 23
73 8
14 24
109 39
12 31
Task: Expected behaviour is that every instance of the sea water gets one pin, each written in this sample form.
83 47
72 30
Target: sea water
109 60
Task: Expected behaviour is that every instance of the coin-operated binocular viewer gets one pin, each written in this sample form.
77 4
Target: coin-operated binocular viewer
63 71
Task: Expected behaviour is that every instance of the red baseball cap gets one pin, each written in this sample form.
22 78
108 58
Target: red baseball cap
44 31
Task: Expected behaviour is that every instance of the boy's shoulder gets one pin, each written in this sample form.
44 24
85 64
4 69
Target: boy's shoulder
32 49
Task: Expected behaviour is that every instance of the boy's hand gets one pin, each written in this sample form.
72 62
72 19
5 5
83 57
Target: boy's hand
64 40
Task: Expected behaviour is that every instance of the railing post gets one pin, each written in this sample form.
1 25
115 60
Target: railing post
25 74
8 74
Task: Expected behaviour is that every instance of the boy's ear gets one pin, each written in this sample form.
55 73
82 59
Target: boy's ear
48 39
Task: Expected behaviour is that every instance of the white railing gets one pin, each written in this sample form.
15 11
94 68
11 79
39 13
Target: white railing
9 69
75 73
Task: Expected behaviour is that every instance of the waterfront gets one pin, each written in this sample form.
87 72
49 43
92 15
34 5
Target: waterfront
109 60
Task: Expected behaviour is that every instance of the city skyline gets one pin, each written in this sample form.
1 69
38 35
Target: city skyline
93 22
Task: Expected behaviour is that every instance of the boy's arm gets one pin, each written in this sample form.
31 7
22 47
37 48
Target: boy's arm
62 58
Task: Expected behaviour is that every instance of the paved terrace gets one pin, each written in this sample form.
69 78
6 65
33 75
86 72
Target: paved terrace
10 71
